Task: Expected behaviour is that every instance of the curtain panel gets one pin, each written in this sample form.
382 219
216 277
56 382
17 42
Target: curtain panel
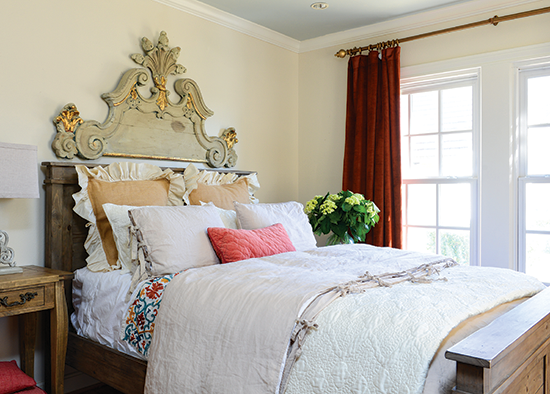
372 157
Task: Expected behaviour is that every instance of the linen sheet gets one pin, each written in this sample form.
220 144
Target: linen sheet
234 322
99 300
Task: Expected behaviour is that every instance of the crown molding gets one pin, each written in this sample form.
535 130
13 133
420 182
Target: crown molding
233 22
388 28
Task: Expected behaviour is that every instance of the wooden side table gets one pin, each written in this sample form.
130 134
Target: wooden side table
27 293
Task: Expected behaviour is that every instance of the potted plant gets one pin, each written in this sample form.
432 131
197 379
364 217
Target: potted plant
347 215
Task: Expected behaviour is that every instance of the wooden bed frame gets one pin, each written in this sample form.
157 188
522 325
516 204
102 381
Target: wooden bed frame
510 355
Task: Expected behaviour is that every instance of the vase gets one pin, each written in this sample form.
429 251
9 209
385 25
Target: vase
334 239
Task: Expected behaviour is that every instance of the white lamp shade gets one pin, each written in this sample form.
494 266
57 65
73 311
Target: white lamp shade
18 171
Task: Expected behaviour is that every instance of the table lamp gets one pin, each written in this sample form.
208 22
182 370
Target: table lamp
18 179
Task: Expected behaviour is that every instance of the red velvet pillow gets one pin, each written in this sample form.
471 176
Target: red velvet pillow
12 379
235 245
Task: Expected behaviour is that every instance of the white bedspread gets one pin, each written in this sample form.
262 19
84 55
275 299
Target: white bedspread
396 331
226 329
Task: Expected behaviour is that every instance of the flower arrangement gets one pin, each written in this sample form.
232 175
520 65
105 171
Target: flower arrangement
349 216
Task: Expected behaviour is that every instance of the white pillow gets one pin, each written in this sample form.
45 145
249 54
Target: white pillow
290 214
120 223
172 239
228 216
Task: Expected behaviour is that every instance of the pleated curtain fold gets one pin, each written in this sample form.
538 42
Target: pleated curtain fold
372 157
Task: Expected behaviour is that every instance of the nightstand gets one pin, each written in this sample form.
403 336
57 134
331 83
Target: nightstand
27 293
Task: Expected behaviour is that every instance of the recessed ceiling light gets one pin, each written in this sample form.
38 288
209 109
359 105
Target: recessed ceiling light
319 6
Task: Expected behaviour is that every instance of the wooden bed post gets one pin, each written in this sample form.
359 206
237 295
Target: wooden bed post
59 214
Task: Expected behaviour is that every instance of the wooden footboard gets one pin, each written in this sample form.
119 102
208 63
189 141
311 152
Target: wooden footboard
510 355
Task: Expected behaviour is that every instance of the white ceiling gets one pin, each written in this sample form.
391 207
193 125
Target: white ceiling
294 25
296 19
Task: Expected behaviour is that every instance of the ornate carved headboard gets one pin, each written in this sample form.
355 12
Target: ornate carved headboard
153 127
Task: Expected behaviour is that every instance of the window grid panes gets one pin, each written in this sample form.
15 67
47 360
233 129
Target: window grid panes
439 145
534 172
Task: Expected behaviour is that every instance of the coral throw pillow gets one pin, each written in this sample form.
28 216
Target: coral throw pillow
12 379
235 245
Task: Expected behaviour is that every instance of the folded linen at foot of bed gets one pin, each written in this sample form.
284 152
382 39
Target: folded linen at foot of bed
232 323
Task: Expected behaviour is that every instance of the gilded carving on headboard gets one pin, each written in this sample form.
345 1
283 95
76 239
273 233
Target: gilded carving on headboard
230 137
69 117
151 127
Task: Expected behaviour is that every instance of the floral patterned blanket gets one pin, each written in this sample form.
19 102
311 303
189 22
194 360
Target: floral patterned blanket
139 321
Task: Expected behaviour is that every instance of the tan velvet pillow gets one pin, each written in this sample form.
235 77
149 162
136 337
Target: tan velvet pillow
135 193
221 196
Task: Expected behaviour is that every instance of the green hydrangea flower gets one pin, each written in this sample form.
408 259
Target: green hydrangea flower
346 215
353 200
311 205
328 207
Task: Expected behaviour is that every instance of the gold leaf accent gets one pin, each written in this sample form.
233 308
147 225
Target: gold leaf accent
191 103
70 118
154 157
162 101
132 93
230 136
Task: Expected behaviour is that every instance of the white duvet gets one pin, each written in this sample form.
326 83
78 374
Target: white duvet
226 329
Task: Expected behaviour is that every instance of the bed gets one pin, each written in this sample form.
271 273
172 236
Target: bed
507 356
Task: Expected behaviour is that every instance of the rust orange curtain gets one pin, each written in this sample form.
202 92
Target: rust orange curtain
372 157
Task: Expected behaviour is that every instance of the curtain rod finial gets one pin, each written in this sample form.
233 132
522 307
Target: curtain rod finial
341 54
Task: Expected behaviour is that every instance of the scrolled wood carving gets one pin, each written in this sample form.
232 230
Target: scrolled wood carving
151 127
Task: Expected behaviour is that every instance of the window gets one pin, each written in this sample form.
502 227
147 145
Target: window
439 131
534 171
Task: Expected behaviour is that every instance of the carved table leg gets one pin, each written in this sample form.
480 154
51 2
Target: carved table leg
59 332
27 341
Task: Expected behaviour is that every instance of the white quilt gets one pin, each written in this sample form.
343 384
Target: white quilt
226 329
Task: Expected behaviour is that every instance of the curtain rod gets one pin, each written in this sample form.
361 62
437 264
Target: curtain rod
342 53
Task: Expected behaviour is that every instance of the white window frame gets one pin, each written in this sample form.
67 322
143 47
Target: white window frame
524 71
469 77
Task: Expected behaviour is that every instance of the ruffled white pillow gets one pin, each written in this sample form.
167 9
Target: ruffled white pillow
120 223
192 176
119 175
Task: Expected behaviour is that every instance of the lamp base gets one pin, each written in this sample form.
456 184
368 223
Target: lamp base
10 270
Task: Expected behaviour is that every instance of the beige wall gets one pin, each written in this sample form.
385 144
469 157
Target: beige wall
59 51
